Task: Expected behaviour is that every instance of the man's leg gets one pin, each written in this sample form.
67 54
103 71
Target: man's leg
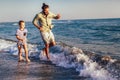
47 51
52 44
48 47
49 41
52 39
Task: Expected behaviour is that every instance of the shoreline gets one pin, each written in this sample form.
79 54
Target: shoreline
10 69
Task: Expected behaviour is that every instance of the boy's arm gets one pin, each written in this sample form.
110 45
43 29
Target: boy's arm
19 38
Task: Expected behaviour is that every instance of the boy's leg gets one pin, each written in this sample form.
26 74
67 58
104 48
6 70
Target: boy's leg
26 52
19 53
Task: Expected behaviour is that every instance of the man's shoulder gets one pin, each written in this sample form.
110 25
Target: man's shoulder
51 14
39 14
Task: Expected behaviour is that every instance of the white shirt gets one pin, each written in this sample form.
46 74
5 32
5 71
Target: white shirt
22 34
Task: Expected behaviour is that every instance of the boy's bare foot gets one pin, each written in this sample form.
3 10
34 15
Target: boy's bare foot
21 59
28 60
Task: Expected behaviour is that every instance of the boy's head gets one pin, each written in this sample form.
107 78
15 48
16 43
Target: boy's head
22 24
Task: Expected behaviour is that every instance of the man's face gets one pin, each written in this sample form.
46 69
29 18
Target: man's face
46 11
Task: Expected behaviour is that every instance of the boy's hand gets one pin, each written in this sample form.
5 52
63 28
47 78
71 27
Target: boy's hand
21 39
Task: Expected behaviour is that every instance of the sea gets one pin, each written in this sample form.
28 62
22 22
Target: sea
90 46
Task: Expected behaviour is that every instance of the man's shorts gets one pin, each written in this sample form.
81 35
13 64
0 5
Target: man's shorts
47 37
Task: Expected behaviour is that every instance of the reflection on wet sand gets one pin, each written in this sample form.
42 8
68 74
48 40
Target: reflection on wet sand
33 70
22 71
10 69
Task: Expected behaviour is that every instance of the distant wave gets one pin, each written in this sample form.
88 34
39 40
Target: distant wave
1 25
62 21
15 24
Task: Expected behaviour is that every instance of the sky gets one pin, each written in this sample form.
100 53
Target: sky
15 10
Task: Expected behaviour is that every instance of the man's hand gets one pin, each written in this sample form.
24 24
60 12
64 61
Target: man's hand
41 28
58 16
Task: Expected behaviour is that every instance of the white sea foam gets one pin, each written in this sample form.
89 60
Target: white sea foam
66 57
15 24
4 44
11 47
82 63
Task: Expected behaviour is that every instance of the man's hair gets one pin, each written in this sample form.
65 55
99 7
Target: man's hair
21 21
44 6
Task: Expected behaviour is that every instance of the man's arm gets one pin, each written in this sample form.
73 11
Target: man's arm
57 17
35 22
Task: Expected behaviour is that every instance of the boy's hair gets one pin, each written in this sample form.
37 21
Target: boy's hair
44 6
21 21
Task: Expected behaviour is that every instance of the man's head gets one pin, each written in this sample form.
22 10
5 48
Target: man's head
45 8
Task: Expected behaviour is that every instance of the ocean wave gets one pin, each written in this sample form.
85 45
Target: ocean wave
2 25
88 64
63 21
10 46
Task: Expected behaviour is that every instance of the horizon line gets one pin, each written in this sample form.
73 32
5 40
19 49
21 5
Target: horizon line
69 19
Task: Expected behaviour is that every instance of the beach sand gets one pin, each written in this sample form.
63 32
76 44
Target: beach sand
11 69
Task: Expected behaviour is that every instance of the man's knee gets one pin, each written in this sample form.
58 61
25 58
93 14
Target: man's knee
46 45
54 43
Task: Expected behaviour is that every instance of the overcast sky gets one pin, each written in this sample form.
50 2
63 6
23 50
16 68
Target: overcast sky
15 10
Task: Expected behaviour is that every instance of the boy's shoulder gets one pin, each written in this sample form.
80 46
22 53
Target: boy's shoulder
23 30
18 30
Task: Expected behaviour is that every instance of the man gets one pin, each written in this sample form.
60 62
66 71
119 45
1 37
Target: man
43 21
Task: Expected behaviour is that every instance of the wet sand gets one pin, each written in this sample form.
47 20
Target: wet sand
10 69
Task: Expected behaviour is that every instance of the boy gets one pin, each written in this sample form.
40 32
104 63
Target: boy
21 35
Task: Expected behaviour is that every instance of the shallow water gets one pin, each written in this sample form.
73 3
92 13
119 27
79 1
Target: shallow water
81 45
10 69
97 35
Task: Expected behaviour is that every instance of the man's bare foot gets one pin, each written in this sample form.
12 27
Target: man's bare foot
43 52
48 59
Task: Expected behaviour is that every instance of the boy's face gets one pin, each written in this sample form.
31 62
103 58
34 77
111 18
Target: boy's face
22 25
